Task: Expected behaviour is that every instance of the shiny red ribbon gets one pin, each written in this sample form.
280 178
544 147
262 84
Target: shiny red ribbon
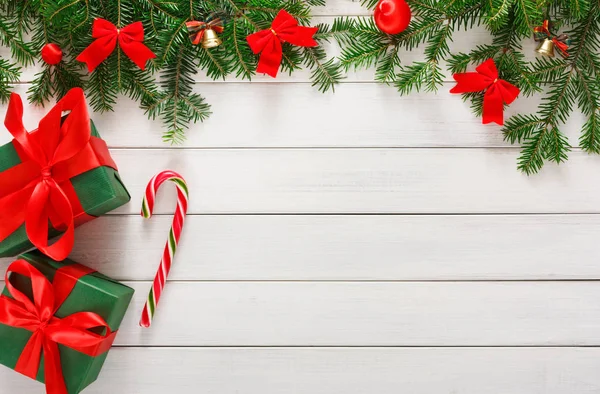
37 316
268 42
497 91
561 46
197 29
38 189
107 35
544 28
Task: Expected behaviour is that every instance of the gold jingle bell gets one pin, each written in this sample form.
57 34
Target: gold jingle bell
210 39
546 48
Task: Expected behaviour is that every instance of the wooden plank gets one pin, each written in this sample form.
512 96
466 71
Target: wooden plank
364 181
295 115
368 314
340 370
348 247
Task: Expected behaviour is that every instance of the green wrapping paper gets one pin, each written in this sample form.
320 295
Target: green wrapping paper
92 293
99 190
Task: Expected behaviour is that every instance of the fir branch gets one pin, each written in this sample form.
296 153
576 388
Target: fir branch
590 136
9 73
326 73
10 37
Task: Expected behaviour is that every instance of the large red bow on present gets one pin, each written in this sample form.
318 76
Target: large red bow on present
268 42
497 91
37 316
38 190
107 35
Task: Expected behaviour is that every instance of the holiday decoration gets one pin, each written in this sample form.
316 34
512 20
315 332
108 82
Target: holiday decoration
205 33
166 89
60 174
130 39
174 234
497 91
546 48
392 16
64 312
268 42
549 41
566 85
52 54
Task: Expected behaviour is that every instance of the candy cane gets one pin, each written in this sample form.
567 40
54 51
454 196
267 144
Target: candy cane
172 242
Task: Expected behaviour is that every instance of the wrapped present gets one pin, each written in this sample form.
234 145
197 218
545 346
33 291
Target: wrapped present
66 313
54 178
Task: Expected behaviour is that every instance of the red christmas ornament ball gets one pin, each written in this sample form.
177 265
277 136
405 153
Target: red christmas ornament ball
52 54
392 16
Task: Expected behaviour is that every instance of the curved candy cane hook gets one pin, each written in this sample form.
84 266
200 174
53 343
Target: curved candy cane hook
172 242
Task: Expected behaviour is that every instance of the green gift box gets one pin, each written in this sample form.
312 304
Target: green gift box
99 191
91 292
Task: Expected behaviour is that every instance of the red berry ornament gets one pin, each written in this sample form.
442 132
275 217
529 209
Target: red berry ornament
392 16
52 54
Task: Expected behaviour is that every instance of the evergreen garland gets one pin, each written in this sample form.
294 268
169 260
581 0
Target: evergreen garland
166 89
564 83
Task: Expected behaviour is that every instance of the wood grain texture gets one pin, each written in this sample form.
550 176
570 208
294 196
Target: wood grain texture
363 181
347 247
368 314
339 370
295 115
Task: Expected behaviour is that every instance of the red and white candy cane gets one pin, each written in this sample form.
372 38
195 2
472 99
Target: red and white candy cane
174 234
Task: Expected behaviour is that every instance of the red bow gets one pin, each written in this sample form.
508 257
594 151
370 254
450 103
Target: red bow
38 189
497 91
48 330
544 28
283 29
130 40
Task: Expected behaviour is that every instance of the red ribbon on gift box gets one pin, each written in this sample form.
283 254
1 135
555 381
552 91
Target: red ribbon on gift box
39 189
37 316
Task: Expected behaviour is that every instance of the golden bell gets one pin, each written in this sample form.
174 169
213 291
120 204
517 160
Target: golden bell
546 48
210 39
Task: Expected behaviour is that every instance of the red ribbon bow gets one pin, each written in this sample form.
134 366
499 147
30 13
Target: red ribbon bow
130 40
268 42
544 28
37 316
38 189
497 91
196 29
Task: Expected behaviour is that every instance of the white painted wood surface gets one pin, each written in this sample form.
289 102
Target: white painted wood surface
357 242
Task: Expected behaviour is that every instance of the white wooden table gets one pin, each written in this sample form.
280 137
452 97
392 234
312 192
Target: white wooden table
357 242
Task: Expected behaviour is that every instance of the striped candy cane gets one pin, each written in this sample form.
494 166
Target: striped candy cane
172 242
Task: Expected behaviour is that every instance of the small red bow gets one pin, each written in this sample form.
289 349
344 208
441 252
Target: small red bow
544 28
283 29
38 190
196 29
130 40
497 91
37 316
